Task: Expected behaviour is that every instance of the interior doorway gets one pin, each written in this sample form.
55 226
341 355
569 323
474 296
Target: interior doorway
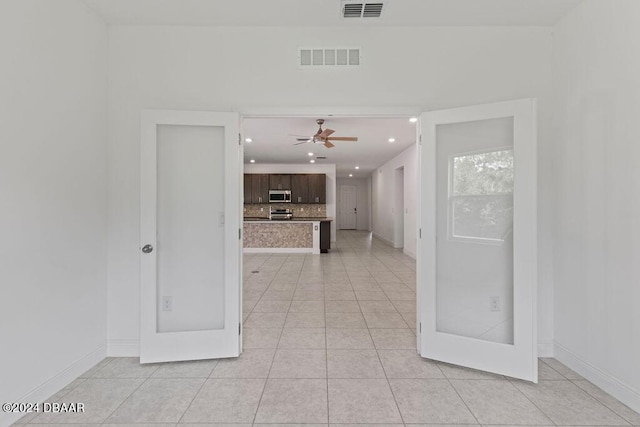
398 208
348 209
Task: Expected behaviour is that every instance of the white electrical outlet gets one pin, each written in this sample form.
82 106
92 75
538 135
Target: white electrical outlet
494 303
318 209
301 209
167 303
261 209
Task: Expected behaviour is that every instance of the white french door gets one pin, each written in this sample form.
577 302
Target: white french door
477 259
190 247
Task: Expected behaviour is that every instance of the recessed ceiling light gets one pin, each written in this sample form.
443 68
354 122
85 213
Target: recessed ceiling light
392 140
357 167
252 161
413 119
248 140
350 175
309 154
312 161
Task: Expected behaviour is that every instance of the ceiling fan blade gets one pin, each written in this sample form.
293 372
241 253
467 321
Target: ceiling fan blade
343 138
304 139
328 144
303 142
325 133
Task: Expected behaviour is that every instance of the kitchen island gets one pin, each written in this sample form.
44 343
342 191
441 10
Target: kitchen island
299 235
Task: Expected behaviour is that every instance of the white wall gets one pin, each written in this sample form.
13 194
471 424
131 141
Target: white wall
383 188
597 198
327 169
363 204
244 69
53 183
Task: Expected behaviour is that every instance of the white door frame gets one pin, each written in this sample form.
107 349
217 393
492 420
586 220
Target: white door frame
470 352
355 227
399 224
190 345
333 111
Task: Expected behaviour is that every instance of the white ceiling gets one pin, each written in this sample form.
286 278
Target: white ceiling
272 142
315 13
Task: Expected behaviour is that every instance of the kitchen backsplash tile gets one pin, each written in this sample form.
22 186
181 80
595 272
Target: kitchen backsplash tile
299 210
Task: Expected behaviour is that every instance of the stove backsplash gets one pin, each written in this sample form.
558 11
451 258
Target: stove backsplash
299 210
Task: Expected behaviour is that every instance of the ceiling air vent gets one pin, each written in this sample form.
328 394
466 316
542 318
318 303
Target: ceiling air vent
321 157
359 9
352 10
372 10
334 57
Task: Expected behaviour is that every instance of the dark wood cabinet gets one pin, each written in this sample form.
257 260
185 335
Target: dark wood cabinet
300 188
259 188
247 189
279 182
318 188
325 236
305 188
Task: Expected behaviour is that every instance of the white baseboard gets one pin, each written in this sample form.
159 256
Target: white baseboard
545 348
279 250
59 381
123 348
607 382
388 242
409 253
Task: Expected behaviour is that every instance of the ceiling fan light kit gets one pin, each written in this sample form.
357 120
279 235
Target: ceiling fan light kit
323 136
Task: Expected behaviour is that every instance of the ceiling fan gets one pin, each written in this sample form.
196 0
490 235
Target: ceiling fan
323 137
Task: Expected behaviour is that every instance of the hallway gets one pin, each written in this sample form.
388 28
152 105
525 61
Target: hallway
331 339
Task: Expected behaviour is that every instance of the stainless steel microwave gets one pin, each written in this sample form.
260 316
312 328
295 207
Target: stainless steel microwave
279 196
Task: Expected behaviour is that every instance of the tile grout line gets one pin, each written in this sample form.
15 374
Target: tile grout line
395 400
255 415
261 295
531 401
196 395
601 401
128 396
461 399
326 343
513 382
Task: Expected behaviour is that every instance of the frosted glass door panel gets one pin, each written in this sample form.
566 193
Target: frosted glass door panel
474 221
190 228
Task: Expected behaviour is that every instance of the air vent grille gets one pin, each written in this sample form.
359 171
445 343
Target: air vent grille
372 10
334 57
352 10
355 9
321 157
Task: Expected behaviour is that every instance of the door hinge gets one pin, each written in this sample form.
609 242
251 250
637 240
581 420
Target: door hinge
420 139
420 233
239 233
239 328
239 139
420 326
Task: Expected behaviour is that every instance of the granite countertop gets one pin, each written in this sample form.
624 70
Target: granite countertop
297 218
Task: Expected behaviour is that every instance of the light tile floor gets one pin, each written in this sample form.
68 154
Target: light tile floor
330 339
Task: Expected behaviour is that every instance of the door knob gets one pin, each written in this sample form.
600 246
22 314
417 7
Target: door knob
147 249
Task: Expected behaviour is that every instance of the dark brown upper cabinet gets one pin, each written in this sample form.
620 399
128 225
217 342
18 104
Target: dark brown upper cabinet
300 188
279 182
305 188
259 188
247 189
318 188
